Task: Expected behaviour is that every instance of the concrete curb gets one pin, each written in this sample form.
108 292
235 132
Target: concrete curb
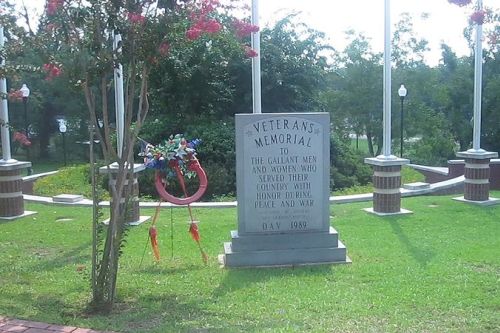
436 188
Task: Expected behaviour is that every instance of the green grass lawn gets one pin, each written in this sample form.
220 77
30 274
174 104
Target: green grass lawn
437 270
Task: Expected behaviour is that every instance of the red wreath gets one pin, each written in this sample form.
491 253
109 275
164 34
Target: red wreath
193 165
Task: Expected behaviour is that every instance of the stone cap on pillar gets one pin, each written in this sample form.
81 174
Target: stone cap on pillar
386 160
479 154
7 166
113 168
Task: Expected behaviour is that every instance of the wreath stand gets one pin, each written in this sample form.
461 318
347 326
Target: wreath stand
161 187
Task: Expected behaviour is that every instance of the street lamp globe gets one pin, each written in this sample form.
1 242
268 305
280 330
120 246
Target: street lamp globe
25 91
402 91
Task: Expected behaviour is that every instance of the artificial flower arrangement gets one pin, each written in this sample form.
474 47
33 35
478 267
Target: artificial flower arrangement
176 151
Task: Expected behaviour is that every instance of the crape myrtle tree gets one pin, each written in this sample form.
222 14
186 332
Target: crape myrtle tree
81 51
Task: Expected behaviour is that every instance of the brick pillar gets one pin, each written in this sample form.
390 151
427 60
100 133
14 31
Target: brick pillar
133 217
386 185
11 189
477 175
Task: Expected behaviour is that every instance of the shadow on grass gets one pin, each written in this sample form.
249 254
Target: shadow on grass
237 278
422 256
28 305
163 270
167 313
64 258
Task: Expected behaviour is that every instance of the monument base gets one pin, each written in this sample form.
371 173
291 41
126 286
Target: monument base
289 249
402 211
24 214
140 221
489 202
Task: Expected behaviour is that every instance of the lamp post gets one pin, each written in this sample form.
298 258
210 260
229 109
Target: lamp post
402 94
25 91
62 129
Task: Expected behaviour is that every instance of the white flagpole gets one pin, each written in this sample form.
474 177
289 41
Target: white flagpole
256 83
387 82
119 99
478 77
4 111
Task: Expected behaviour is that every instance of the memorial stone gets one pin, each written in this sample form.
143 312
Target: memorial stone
283 176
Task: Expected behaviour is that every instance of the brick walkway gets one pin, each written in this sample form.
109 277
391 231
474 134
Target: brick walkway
24 326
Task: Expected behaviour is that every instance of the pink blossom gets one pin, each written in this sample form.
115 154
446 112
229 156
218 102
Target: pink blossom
200 21
460 3
212 26
15 95
478 16
193 34
136 18
52 70
53 6
22 139
243 29
164 48
249 52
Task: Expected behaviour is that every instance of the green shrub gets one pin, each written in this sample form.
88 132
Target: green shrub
69 180
347 167
216 154
436 146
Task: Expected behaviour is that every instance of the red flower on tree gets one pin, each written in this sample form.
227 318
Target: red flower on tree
22 139
212 26
249 52
243 29
15 95
53 6
164 48
460 3
201 23
193 33
478 17
136 18
52 70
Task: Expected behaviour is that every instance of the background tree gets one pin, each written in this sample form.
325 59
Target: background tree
356 100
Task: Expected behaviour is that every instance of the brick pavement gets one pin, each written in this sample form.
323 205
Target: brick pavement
8 325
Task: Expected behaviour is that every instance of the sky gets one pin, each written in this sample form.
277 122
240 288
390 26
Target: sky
445 22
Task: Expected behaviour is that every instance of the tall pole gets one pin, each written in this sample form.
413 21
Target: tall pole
255 39
401 136
478 77
387 82
119 99
4 110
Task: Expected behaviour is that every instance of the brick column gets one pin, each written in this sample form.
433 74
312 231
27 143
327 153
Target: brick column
134 217
11 190
386 185
477 175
